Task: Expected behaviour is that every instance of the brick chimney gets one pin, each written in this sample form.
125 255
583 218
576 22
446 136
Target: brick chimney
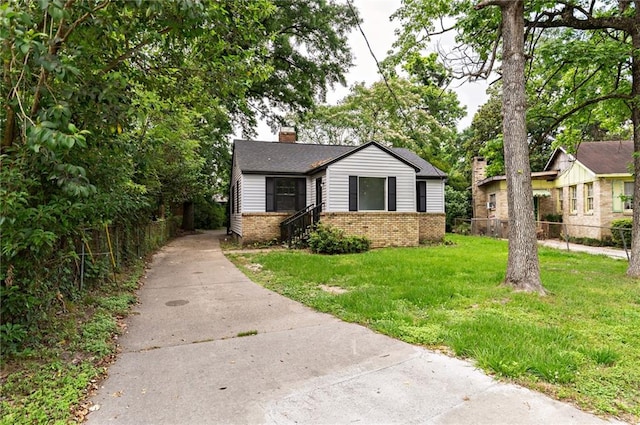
478 196
287 135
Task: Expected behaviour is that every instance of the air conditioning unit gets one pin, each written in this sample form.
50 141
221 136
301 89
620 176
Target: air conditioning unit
490 206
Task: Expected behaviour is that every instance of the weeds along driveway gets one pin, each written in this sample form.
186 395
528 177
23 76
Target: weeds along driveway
183 361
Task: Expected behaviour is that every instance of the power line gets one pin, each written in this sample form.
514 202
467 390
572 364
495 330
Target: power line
407 121
384 77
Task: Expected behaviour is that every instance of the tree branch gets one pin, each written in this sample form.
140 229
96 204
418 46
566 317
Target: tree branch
583 105
126 55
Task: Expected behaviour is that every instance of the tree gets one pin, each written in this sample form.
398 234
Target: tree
592 66
522 267
523 271
621 22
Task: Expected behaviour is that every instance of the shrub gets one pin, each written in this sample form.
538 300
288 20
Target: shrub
553 218
462 228
330 240
616 232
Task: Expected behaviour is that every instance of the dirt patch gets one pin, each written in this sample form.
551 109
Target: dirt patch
333 289
254 267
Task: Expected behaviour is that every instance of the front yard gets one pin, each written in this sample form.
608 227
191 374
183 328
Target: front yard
580 343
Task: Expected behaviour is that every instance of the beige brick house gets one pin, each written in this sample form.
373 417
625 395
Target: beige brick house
390 195
588 189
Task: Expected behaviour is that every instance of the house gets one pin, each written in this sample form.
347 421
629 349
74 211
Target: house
390 195
589 189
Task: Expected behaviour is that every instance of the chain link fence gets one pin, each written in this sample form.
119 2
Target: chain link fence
618 237
104 250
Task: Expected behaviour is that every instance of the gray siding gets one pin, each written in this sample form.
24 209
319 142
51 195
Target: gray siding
253 193
369 162
435 196
235 221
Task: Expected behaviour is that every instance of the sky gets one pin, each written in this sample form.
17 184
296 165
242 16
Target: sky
380 32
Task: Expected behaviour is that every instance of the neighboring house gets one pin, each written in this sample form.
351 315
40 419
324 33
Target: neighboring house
588 189
390 195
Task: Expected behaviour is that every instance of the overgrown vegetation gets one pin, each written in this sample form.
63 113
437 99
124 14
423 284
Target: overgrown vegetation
578 343
326 239
49 381
621 228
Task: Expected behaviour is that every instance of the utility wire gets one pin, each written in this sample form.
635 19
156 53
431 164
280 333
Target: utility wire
384 77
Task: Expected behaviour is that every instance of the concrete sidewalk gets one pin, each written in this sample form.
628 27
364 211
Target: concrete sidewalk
184 363
574 247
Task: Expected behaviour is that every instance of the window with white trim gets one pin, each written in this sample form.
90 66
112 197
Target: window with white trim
588 197
573 199
628 195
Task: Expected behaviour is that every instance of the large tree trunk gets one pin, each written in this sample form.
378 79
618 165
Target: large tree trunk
634 264
523 272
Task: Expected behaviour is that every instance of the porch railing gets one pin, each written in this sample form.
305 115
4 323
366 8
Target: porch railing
297 227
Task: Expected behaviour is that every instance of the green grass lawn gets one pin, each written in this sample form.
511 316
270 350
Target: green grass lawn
581 342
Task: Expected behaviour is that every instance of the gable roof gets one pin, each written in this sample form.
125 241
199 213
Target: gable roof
256 157
607 157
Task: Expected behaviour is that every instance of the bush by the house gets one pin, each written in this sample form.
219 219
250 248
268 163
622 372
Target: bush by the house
330 240
616 232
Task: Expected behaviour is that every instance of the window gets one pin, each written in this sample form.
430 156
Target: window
233 199
285 194
372 193
628 195
421 189
588 197
573 199
492 202
560 200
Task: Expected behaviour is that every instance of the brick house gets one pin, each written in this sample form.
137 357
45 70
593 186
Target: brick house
588 189
390 195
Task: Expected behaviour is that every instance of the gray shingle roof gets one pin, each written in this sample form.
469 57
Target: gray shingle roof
255 157
606 157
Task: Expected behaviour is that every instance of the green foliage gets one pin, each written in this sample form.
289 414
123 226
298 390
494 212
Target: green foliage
457 204
330 240
12 336
421 116
210 214
47 383
619 227
554 218
578 343
100 131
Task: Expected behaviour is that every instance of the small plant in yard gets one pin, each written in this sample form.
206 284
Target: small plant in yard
579 343
330 240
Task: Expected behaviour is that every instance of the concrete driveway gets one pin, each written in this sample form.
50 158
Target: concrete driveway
183 361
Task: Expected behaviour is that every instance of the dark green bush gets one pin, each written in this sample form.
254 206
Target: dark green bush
554 218
616 232
209 214
329 240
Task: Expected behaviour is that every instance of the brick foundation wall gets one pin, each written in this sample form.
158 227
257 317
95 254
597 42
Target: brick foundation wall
261 227
385 229
431 227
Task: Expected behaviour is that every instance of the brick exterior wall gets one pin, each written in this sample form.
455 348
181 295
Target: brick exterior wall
383 229
431 227
261 227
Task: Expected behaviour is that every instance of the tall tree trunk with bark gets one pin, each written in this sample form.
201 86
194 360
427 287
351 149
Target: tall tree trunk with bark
634 264
523 271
